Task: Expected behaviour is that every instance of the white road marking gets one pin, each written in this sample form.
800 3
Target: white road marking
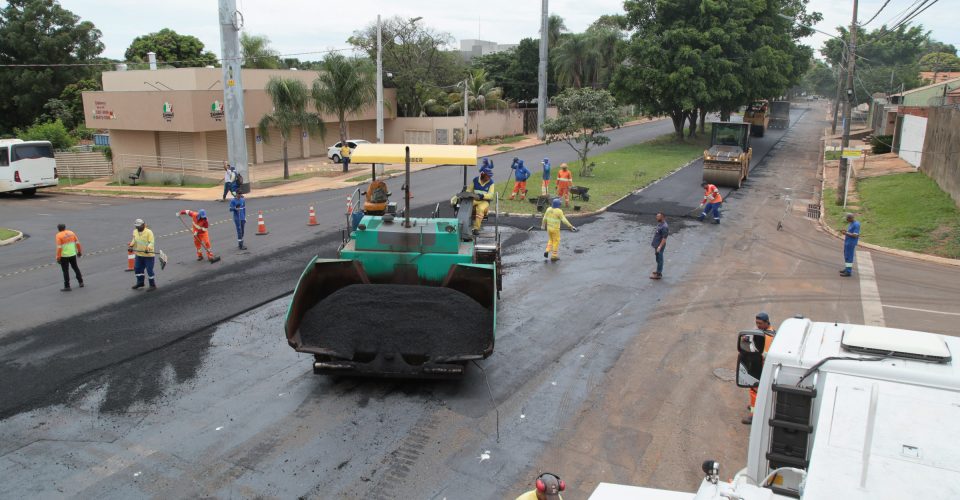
922 310
869 293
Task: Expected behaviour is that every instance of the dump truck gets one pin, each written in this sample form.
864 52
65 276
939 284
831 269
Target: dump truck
843 411
405 296
727 162
780 115
757 115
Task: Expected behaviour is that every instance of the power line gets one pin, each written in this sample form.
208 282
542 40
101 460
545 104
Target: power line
877 13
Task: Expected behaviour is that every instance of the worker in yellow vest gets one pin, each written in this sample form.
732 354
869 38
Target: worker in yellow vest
68 251
142 245
552 219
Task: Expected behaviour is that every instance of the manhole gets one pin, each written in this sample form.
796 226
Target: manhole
725 374
813 210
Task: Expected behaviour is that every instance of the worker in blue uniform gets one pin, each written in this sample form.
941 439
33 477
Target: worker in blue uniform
238 205
851 236
521 173
545 186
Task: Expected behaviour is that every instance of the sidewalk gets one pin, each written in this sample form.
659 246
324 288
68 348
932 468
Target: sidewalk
324 181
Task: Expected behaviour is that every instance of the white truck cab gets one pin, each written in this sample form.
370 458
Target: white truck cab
843 411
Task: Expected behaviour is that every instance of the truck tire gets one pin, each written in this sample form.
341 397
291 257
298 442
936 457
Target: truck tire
29 192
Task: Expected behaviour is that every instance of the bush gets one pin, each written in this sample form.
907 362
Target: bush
106 151
54 131
880 144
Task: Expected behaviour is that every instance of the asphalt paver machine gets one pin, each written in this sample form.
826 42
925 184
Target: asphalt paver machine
405 296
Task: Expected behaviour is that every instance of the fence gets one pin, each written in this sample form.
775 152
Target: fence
941 156
167 169
82 164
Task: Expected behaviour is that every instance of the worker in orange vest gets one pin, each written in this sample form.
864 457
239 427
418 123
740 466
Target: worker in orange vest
68 251
763 324
711 202
564 183
201 235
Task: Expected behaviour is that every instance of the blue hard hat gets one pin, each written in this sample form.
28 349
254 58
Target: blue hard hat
546 160
485 162
762 316
520 162
202 214
486 170
555 203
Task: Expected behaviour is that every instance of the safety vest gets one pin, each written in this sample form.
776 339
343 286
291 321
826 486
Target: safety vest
67 244
711 194
553 217
142 242
565 176
481 188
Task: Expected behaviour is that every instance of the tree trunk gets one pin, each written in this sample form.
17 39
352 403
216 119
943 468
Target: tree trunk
725 115
692 118
678 118
703 120
286 169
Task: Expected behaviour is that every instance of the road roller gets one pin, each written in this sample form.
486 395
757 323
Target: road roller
727 162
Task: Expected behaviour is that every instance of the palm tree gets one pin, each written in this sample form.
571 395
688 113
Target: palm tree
257 53
481 94
290 98
574 60
344 86
555 30
605 42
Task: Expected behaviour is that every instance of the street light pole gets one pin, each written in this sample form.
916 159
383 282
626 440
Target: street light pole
842 178
379 83
542 73
230 23
836 102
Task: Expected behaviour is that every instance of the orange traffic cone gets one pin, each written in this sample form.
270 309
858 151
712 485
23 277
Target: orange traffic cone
130 260
261 226
313 218
350 205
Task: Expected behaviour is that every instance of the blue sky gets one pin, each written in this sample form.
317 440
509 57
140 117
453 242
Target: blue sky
310 25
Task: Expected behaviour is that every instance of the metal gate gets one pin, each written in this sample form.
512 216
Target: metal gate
529 121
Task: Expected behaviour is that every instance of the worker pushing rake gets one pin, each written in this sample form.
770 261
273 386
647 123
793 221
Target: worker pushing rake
201 232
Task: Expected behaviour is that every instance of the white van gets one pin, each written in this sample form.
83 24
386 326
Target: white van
26 166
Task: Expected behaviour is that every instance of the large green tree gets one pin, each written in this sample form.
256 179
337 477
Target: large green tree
415 60
582 116
290 98
575 59
344 86
257 52
41 32
172 49
68 106
940 61
515 71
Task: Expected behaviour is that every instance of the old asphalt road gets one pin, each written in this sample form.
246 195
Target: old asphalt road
599 373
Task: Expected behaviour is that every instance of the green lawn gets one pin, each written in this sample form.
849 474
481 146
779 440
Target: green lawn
831 155
108 192
65 181
904 211
364 177
505 148
616 174
7 233
169 184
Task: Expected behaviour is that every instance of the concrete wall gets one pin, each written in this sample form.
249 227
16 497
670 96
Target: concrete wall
911 139
194 79
941 161
448 129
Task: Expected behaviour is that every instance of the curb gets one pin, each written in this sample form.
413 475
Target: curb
933 259
13 239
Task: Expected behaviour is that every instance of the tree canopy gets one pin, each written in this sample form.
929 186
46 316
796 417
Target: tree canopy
257 52
41 32
344 86
172 49
582 116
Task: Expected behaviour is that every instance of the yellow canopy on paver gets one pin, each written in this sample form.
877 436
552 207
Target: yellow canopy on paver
428 154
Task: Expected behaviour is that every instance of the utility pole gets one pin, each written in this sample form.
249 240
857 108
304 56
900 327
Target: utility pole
379 83
231 21
836 102
542 73
847 106
466 116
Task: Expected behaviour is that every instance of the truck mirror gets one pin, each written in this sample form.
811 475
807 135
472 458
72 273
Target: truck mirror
750 348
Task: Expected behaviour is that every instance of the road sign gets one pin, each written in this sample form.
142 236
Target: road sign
852 153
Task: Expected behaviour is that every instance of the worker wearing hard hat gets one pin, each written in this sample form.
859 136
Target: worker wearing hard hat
548 487
521 173
763 324
564 183
711 202
486 164
201 236
552 219
482 188
143 250
545 187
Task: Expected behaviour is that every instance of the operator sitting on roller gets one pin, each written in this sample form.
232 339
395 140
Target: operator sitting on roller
482 187
711 202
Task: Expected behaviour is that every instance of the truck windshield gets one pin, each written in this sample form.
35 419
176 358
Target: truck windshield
31 152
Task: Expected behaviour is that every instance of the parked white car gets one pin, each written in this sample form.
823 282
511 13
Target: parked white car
333 152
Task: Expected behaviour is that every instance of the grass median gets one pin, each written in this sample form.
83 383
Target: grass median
903 211
617 173
6 234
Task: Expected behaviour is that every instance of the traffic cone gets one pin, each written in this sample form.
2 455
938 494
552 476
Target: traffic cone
130 260
350 205
261 226
313 218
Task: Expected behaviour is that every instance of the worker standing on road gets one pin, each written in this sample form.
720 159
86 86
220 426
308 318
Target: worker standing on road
763 324
201 236
659 243
142 246
547 487
482 187
711 202
851 236
229 178
68 251
521 174
238 205
552 218
345 152
564 183
545 186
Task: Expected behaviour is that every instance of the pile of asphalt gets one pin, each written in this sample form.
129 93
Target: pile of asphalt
405 319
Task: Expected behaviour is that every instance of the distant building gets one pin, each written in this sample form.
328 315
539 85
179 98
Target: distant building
938 76
475 48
